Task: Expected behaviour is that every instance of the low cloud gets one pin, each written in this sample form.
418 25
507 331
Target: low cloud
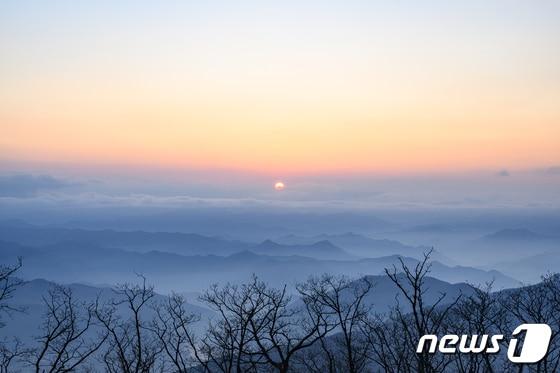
555 170
503 173
24 186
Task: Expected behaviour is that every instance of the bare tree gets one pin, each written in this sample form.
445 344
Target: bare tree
258 327
8 285
229 344
328 327
343 302
552 285
282 329
10 349
477 315
132 347
390 347
172 326
536 304
422 318
68 339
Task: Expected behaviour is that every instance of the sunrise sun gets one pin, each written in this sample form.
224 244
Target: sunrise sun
279 185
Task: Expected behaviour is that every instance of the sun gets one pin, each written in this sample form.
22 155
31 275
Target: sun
279 185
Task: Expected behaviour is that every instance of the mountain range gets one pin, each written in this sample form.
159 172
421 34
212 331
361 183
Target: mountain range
76 262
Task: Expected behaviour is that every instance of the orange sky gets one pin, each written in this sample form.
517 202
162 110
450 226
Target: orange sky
268 92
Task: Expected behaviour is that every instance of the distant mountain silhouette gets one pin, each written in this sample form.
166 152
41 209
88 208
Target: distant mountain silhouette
324 246
518 234
30 296
385 293
71 262
173 242
529 269
436 228
383 296
361 245
322 250
181 243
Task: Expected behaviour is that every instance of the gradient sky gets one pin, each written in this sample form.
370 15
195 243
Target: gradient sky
290 87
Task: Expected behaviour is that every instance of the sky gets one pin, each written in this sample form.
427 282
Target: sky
309 92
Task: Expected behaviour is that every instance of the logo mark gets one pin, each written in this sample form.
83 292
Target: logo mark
532 349
535 344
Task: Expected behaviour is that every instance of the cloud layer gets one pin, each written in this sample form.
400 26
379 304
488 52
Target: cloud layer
24 186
